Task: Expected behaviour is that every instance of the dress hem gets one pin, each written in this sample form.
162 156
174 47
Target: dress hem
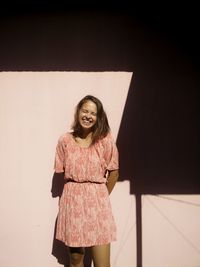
86 245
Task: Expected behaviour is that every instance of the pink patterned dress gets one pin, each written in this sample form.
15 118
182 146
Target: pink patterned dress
85 215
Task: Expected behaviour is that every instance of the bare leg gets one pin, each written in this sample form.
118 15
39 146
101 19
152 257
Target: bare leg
101 255
76 257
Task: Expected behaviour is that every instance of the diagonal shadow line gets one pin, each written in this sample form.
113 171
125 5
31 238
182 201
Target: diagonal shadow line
174 226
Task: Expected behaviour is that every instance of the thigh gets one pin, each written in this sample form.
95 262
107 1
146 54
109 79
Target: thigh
101 255
76 250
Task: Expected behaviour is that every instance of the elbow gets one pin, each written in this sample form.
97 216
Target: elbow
115 174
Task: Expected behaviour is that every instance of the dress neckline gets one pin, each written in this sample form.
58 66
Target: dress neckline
77 144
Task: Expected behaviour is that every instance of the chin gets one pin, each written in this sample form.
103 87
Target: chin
87 128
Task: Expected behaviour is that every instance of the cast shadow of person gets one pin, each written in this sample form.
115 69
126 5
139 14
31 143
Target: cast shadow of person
59 249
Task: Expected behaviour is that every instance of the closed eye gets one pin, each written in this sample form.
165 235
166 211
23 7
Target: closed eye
87 111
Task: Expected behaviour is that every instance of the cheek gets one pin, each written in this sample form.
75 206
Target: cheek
94 119
80 115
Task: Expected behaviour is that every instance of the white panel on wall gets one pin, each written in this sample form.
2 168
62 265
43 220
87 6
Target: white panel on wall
35 109
170 230
124 250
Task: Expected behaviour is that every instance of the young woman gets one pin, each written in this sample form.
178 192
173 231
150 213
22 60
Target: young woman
88 156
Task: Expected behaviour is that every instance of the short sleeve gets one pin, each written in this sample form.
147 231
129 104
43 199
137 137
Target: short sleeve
111 154
59 157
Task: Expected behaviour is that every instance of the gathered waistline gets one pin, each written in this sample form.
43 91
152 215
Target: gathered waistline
81 182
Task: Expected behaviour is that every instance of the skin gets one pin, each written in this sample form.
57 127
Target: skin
87 118
112 179
100 254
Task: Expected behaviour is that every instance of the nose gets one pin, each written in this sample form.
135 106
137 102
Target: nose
88 116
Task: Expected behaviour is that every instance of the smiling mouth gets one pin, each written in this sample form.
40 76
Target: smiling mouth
87 121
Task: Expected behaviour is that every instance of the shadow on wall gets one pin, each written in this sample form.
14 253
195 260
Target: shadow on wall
158 138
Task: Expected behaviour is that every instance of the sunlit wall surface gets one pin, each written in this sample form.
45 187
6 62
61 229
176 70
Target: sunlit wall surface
170 230
35 109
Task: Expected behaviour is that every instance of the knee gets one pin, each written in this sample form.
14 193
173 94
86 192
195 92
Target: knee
76 258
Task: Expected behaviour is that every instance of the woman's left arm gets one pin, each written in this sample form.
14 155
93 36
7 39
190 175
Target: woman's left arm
112 179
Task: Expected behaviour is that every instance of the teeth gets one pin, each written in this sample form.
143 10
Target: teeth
86 122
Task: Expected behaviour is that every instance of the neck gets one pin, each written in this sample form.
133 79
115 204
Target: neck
86 134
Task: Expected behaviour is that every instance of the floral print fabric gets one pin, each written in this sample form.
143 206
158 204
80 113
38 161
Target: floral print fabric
85 215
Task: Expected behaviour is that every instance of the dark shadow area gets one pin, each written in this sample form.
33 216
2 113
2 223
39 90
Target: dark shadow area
59 249
57 184
60 252
158 135
158 138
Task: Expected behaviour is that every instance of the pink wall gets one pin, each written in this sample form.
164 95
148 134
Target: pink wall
171 234
35 108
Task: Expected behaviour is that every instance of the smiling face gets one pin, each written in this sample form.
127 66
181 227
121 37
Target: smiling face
87 115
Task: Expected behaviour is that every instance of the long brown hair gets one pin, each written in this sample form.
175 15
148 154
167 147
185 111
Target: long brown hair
101 127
